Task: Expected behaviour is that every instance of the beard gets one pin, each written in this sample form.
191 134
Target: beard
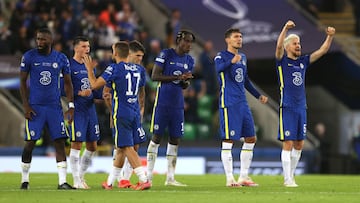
43 49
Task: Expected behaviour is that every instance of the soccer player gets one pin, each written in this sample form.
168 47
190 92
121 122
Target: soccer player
126 80
136 55
291 67
85 127
41 102
236 120
172 69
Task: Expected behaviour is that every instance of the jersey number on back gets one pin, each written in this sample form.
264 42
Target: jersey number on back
130 91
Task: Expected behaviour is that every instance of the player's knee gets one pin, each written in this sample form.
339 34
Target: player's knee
27 154
250 139
76 145
174 141
91 146
156 139
29 146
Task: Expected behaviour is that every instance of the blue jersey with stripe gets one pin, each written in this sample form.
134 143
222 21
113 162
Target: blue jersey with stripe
233 79
80 81
291 78
44 75
108 84
170 93
126 80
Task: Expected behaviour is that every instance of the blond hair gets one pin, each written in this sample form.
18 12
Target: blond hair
289 38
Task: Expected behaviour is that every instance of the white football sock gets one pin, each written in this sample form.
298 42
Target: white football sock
113 157
246 156
25 168
295 157
139 171
74 157
286 164
62 167
171 156
227 160
151 156
113 175
85 162
126 171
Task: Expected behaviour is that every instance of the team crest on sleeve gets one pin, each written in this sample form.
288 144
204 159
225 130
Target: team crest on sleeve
301 65
109 70
186 66
161 57
55 65
22 64
218 56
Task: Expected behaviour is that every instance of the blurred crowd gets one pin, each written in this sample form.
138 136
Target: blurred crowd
313 7
105 22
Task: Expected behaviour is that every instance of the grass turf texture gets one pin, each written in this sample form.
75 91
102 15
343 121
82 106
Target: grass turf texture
202 188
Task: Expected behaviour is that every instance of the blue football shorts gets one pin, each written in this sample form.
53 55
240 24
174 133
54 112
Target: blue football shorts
292 124
46 115
85 127
236 121
128 131
168 118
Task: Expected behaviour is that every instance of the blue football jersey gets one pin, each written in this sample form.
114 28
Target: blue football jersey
126 80
291 78
170 93
80 81
233 79
44 75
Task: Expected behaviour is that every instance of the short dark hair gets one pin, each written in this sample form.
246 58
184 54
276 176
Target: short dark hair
181 35
79 39
136 46
44 30
122 47
230 31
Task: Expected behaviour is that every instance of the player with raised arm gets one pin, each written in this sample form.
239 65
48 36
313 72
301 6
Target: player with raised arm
85 127
136 55
291 67
126 80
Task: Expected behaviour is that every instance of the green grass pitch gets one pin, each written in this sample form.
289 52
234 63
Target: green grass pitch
202 188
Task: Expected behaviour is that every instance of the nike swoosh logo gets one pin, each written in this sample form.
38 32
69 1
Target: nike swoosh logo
37 64
290 64
76 73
